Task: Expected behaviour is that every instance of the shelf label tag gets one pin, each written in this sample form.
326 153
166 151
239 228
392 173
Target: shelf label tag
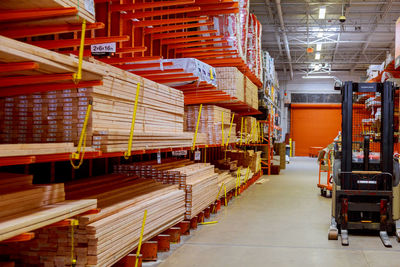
179 153
101 49
197 155
159 157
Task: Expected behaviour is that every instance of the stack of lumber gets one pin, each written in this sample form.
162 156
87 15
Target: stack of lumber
210 123
197 180
227 180
242 175
251 93
58 116
226 164
254 159
25 207
201 187
231 81
104 238
248 158
249 129
159 172
85 10
10 150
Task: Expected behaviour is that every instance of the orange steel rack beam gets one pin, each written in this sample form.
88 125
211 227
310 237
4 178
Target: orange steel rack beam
145 23
194 44
128 60
176 80
125 50
176 27
144 66
18 66
197 54
34 79
214 12
145 14
181 34
23 160
23 89
54 44
7 15
190 39
152 72
20 32
167 76
130 7
206 48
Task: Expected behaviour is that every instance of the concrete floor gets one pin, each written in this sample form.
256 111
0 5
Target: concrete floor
283 222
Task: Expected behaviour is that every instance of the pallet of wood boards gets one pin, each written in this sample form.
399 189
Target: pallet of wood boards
85 10
251 93
211 123
26 207
104 238
198 180
231 81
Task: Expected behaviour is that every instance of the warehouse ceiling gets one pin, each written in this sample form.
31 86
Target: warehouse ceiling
290 27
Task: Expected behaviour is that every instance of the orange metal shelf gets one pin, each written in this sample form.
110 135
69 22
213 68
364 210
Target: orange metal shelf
7 15
23 89
14 32
65 43
130 7
23 160
18 66
181 34
33 79
157 22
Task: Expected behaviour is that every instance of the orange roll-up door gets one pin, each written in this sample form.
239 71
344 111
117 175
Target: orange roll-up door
314 125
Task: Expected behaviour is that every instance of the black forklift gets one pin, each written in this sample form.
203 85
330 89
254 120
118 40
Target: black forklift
365 171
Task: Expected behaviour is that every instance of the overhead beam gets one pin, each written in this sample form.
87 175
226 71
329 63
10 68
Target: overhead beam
285 39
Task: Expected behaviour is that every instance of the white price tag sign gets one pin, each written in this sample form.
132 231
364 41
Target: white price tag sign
103 48
158 157
197 155
179 153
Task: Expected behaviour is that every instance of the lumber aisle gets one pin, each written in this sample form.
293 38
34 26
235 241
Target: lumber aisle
104 238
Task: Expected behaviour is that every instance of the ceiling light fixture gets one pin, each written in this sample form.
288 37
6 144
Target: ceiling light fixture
317 55
319 47
322 12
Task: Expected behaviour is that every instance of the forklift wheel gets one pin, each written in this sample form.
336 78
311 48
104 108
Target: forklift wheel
333 234
322 192
328 193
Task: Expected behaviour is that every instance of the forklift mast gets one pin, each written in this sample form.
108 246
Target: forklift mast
363 168
360 127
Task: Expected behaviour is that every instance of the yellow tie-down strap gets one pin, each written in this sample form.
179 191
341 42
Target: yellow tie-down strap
128 153
82 140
